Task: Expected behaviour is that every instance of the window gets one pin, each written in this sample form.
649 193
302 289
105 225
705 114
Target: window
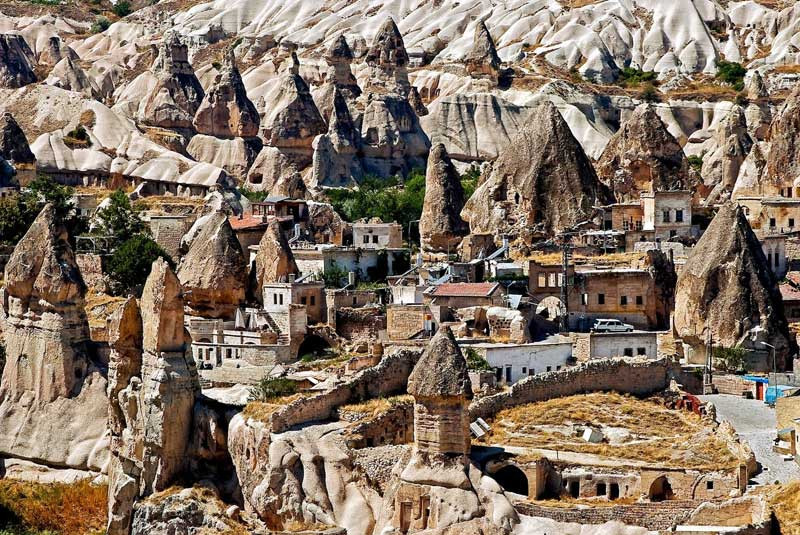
355 301
375 238
498 373
558 368
777 260
508 373
709 485
280 299
673 233
601 489
584 299
366 238
313 300
601 299
625 225
274 299
791 222
639 300
665 216
524 369
613 493
628 352
623 300
303 300
531 371
772 222
641 351
549 368
679 216
638 225
541 280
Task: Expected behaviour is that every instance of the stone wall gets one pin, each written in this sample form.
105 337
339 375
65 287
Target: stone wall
732 384
660 516
388 377
632 376
404 321
359 324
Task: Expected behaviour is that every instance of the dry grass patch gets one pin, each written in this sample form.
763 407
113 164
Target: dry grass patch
373 407
785 502
262 410
65 509
644 430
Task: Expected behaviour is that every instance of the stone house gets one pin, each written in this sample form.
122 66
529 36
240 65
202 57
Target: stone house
408 321
456 295
376 235
168 230
635 344
776 214
791 302
278 296
774 246
667 214
512 362
367 264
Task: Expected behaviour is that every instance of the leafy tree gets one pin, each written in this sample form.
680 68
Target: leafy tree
131 262
272 387
119 220
253 196
731 359
334 276
630 76
731 73
469 181
475 361
122 8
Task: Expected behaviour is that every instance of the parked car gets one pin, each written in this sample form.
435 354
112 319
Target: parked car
611 326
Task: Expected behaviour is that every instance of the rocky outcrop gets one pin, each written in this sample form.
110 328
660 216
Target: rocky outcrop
642 156
542 184
154 397
727 287
748 183
292 120
52 393
415 100
388 61
482 60
441 227
214 271
326 225
336 162
754 86
783 160
225 110
234 155
721 167
274 172
55 51
13 143
16 62
339 78
68 75
274 261
177 94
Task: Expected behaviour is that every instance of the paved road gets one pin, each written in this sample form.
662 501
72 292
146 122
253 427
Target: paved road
755 423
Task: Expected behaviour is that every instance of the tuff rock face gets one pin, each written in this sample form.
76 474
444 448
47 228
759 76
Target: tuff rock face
275 172
274 261
415 100
783 160
338 79
441 227
642 156
336 161
542 183
68 75
177 95
441 370
388 60
727 287
326 225
721 168
214 271
55 51
16 62
293 120
482 60
154 395
226 111
52 393
13 143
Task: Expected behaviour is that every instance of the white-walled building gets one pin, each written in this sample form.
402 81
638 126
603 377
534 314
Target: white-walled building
635 344
513 362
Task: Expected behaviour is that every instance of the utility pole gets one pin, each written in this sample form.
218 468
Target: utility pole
566 255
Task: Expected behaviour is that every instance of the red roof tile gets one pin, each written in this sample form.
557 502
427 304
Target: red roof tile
247 221
465 289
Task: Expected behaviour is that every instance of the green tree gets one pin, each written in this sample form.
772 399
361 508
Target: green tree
630 77
731 73
119 220
122 8
649 93
475 361
272 387
469 181
731 359
130 264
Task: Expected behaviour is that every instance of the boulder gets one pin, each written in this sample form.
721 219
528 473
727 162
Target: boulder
482 60
177 94
727 287
441 227
327 226
213 273
542 184
225 110
16 62
274 261
53 390
642 156
14 145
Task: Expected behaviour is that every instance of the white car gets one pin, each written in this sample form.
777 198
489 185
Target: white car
612 326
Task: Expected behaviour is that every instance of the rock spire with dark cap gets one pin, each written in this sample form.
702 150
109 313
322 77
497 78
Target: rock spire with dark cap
441 227
226 111
441 371
13 143
727 286
16 62
642 156
339 57
541 184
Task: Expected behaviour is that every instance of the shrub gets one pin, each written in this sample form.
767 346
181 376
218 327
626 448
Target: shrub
100 25
649 93
731 359
630 76
741 99
131 263
253 196
334 276
731 73
119 220
475 361
122 8
696 161
77 137
272 387
469 181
